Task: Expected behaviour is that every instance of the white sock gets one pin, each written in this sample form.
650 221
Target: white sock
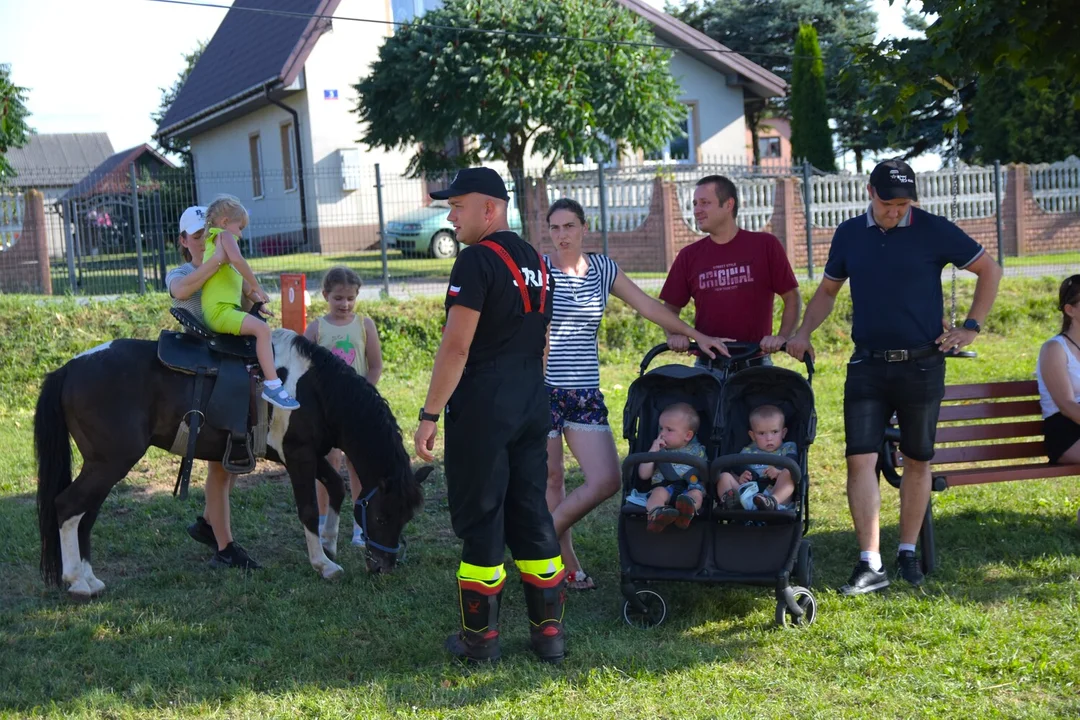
272 384
872 558
910 547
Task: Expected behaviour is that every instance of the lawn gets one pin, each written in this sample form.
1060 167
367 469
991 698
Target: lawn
992 633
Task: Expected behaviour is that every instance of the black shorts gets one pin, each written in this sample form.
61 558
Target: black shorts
875 389
1060 434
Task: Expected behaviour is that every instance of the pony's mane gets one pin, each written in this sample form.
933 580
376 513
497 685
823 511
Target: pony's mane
345 394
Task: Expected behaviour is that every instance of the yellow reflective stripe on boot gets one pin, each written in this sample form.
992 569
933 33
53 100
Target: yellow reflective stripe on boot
489 576
541 572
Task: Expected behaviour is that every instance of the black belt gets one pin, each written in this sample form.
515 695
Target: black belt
504 362
900 355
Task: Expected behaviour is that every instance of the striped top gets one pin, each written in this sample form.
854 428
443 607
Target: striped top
194 303
577 308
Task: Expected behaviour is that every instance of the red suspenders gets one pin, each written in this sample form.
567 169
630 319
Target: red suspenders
518 278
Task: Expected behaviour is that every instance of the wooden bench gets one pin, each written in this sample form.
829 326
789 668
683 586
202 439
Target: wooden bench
1005 412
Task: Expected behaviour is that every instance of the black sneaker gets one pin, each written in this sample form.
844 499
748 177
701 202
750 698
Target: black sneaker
201 531
233 556
907 567
864 580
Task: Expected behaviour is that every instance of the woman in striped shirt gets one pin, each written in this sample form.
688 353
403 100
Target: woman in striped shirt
583 282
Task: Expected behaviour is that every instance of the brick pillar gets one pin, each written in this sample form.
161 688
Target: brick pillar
537 203
669 214
24 267
34 225
783 218
1016 192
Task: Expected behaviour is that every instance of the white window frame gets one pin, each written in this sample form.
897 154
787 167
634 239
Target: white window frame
288 156
691 132
779 147
258 187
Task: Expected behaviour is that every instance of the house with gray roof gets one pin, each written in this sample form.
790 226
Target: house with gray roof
267 113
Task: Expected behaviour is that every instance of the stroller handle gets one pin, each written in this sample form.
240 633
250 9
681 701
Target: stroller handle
740 352
632 460
739 459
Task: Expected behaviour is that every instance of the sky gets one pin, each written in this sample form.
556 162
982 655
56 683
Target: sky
98 65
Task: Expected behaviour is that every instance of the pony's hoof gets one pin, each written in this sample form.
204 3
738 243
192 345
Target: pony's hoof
96 586
331 571
80 591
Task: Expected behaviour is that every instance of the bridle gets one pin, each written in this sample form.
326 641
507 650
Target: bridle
362 503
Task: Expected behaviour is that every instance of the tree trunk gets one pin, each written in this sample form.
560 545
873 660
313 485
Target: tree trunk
515 160
858 160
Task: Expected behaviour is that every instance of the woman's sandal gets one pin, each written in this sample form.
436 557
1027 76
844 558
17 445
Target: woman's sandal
580 580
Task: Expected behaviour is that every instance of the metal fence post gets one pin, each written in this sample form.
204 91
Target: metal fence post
808 204
603 205
69 242
382 232
138 230
999 213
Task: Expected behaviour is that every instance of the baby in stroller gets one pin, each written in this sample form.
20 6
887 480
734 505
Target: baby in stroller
760 486
677 493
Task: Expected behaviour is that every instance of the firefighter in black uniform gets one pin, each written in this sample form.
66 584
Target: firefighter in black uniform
488 375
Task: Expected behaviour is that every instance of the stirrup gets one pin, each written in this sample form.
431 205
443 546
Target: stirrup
228 462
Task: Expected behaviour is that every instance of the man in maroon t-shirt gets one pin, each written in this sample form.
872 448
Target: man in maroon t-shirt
732 275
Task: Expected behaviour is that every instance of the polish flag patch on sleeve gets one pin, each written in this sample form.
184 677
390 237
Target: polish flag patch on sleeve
454 290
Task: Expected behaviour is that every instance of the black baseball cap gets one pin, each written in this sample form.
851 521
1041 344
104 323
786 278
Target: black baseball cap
474 180
894 179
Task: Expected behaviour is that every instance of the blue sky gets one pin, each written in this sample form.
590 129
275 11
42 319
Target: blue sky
97 65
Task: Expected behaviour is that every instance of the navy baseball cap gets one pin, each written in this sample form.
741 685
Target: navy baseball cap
474 180
894 179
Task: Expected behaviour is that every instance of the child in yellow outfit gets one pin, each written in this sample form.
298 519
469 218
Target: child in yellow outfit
226 218
353 338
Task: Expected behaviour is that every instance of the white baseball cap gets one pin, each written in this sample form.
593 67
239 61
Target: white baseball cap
193 220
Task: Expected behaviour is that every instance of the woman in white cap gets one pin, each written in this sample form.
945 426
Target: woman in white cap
185 283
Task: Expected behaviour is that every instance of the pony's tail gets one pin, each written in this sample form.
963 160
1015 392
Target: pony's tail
53 446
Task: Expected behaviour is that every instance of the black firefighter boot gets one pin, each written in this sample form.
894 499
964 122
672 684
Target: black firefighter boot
545 600
478 639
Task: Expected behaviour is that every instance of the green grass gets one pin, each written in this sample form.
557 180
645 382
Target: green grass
992 634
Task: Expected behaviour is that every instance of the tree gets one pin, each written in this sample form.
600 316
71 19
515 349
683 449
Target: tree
1015 121
14 132
437 79
765 31
916 80
811 139
168 97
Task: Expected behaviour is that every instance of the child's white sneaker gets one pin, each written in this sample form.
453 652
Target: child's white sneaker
358 537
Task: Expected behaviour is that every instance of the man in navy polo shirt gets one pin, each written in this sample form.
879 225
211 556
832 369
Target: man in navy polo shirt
894 255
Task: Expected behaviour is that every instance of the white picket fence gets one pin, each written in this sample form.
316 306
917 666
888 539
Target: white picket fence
1056 186
11 219
836 198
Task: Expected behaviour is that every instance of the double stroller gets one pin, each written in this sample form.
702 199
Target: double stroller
759 547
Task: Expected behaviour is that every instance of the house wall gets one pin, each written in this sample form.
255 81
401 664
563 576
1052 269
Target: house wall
719 123
349 218
223 166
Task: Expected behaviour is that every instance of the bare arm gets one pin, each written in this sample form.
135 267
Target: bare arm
986 287
817 310
446 374
232 251
1053 366
660 313
790 317
373 352
183 288
311 332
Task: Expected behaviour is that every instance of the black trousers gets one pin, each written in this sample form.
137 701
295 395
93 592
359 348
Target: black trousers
497 423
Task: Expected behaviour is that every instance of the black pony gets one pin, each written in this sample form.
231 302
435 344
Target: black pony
117 400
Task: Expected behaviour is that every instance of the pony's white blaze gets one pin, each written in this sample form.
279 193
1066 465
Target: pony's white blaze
97 349
74 569
296 365
324 565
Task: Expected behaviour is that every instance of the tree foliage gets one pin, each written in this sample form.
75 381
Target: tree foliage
811 138
765 31
14 131
168 97
516 92
1015 121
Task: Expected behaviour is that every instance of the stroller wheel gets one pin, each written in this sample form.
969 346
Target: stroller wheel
805 600
655 610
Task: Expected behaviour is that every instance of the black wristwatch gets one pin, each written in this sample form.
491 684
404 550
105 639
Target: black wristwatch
972 324
425 415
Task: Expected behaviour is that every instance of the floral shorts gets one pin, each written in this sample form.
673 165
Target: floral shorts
577 410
